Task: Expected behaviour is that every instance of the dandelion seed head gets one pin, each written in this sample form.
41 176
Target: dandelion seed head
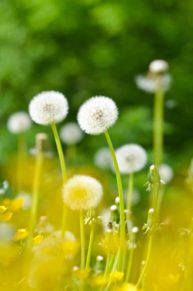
151 85
82 192
71 133
48 107
166 173
97 114
131 158
102 158
19 122
158 66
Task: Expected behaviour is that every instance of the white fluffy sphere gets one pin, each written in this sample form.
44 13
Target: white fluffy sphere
97 114
71 133
19 122
48 107
131 158
82 192
166 173
158 66
151 85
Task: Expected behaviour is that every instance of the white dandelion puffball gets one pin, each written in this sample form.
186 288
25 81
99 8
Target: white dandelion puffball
48 107
151 85
158 66
102 158
71 133
97 114
82 192
19 122
131 158
166 173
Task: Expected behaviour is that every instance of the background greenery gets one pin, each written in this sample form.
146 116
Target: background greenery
90 47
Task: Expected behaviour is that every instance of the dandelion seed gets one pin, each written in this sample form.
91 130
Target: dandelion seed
82 192
71 133
131 158
97 114
19 122
48 107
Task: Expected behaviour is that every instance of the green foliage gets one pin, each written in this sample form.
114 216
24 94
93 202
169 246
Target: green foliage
89 47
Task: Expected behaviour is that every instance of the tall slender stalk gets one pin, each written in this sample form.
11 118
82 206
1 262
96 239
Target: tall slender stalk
129 195
150 223
35 191
119 186
158 126
21 155
90 245
82 240
63 169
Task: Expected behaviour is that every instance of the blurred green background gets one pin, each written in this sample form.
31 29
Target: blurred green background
97 47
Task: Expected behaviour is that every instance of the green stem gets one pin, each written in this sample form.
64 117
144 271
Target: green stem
82 240
158 127
130 261
89 252
129 195
145 267
63 169
120 189
60 151
20 160
35 194
151 220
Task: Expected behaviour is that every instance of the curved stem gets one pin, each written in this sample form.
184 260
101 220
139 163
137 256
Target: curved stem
63 169
119 186
130 261
35 195
129 195
60 151
158 127
82 240
89 252
21 155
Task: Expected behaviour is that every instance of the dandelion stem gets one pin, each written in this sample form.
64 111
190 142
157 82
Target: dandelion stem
129 195
20 160
130 261
89 252
120 188
60 151
63 169
158 127
35 194
82 240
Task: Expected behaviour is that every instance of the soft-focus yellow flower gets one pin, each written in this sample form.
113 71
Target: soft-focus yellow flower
99 280
38 239
116 276
21 234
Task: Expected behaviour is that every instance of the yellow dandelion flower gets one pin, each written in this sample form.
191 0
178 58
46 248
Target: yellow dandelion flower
38 239
21 234
116 276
